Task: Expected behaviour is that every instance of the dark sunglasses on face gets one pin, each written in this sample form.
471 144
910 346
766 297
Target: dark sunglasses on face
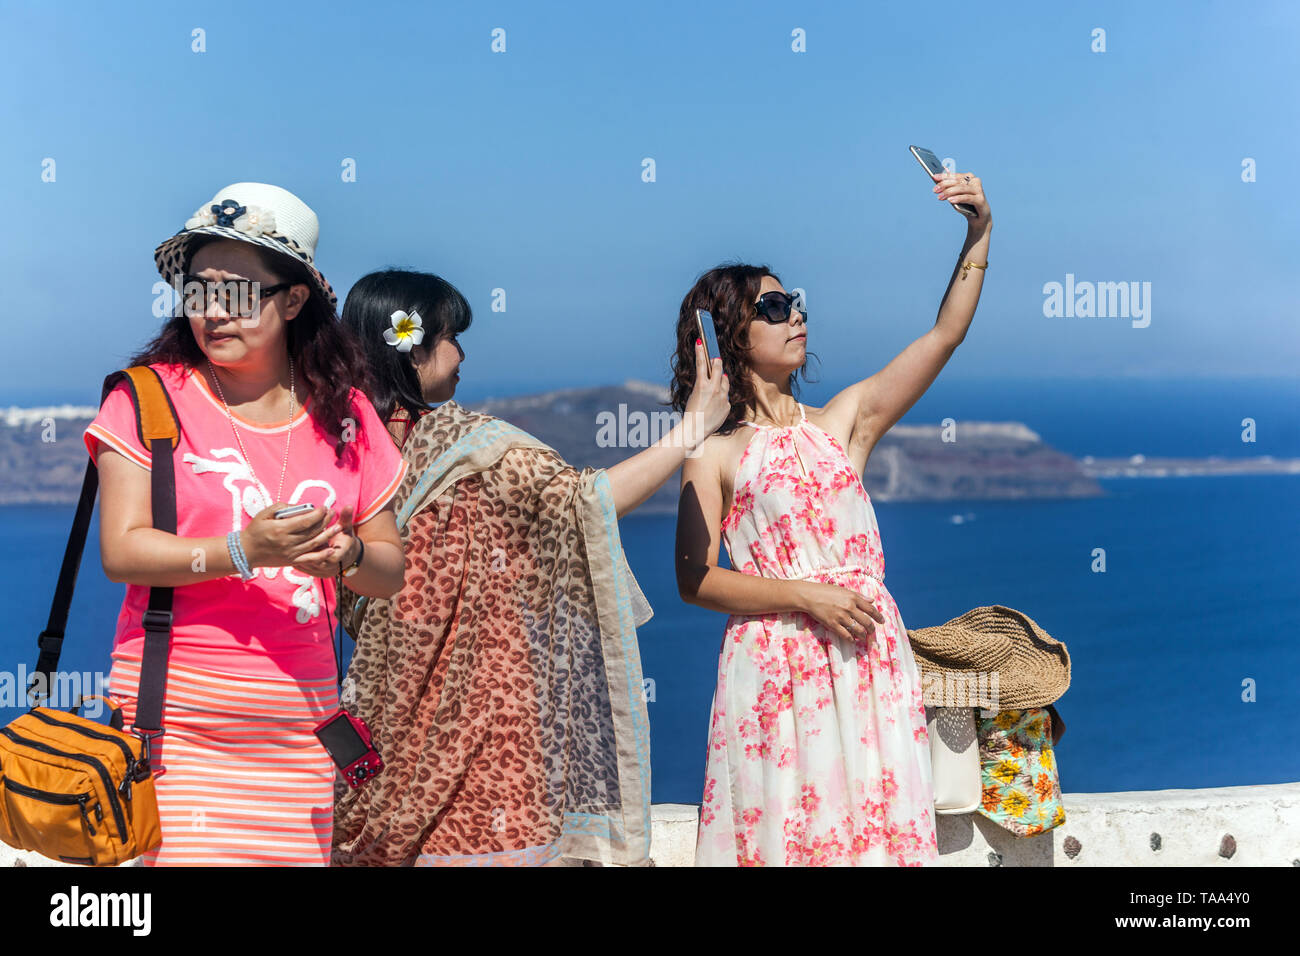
235 296
774 307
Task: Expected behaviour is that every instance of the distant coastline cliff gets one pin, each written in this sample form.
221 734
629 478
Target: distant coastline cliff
42 455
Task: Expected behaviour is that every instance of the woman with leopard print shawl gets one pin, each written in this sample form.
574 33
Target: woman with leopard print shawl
503 682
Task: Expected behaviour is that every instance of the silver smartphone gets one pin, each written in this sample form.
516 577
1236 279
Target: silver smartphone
935 168
292 510
704 320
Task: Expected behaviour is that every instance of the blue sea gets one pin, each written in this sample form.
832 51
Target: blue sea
1198 610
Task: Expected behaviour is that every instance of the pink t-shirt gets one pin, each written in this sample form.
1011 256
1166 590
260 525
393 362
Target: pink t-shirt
272 625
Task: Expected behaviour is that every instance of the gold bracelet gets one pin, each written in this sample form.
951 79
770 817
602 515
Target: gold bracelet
967 265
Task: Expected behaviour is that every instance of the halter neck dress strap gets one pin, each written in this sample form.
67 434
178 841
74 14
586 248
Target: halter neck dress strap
802 418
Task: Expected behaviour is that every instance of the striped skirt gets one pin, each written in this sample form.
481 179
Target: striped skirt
242 780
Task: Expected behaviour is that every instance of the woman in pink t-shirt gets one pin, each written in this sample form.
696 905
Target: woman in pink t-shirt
269 395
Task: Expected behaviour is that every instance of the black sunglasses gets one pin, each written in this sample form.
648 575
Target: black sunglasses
235 296
774 307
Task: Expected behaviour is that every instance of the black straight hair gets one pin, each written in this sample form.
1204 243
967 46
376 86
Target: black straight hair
393 381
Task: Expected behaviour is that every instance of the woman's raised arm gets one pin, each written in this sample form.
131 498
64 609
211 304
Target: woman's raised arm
867 409
636 478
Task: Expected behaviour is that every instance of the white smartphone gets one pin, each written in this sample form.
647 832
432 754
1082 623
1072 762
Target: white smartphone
292 510
704 320
935 168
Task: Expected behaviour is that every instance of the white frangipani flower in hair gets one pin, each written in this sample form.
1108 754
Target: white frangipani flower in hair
406 331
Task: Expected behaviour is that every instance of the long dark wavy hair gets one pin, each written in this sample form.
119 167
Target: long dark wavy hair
728 293
324 353
368 310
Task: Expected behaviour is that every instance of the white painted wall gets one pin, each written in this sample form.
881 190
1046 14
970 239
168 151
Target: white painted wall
1110 829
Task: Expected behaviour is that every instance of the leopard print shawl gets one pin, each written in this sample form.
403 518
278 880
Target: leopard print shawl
502 683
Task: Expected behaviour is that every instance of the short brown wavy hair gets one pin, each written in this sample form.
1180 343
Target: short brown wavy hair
727 292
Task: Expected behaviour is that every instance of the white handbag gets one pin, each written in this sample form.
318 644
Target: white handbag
954 759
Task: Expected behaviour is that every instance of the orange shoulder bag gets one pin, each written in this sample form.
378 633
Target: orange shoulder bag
70 788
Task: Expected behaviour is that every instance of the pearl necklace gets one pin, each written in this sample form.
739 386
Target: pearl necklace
288 431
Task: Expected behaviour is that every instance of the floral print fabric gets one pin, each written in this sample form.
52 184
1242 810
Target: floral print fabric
1021 787
818 752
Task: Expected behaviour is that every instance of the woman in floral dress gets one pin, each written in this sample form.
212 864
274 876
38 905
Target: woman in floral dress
817 748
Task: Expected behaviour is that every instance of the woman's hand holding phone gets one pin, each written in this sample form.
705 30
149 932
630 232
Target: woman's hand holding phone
709 403
964 188
271 542
338 551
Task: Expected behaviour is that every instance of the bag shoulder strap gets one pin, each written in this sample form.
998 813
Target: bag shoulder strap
159 430
155 415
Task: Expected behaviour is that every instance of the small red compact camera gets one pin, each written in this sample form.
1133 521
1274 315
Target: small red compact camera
347 740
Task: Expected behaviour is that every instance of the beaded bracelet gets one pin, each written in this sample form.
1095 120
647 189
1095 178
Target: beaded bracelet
237 555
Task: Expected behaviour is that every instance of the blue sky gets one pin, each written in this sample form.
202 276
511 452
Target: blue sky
522 170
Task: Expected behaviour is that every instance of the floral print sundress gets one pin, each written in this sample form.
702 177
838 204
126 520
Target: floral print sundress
818 753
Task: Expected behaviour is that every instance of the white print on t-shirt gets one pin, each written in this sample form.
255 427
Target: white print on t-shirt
250 496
